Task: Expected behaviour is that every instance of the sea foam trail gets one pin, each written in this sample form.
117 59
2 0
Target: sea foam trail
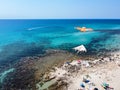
36 28
5 73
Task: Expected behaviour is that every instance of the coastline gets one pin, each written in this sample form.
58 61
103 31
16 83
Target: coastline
30 70
42 73
69 78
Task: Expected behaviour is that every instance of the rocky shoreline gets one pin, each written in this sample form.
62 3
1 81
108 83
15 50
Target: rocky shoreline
34 73
30 70
63 74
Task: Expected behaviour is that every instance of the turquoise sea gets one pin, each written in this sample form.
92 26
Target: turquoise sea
22 38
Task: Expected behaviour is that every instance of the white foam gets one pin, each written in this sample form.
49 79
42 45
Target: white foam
36 27
4 74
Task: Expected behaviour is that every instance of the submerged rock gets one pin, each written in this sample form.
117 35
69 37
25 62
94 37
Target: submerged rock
30 70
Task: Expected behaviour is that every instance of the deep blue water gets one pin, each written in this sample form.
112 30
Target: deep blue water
21 38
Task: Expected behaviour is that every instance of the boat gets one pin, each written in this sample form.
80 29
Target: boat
84 29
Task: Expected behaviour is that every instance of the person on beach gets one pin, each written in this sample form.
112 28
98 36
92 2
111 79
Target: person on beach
107 87
95 89
84 29
82 86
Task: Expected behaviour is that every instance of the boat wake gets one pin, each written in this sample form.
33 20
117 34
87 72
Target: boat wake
37 27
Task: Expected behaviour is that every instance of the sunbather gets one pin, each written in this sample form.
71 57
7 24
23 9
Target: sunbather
106 86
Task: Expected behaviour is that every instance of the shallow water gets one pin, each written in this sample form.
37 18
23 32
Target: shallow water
4 74
46 85
22 38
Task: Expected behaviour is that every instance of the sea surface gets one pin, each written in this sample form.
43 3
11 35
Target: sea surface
22 38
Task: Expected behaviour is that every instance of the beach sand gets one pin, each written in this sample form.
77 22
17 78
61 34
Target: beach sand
66 73
109 73
106 70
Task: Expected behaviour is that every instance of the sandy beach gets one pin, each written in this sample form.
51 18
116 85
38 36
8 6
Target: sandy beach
72 75
109 73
